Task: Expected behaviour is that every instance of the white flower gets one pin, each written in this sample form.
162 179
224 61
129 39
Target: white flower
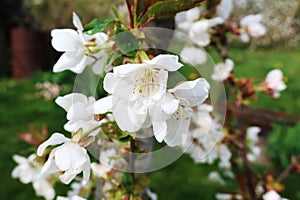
203 142
70 198
80 112
224 9
198 30
75 189
222 70
188 94
273 83
25 170
251 27
135 87
193 55
43 188
69 158
215 177
79 49
28 171
185 19
224 196
253 139
272 195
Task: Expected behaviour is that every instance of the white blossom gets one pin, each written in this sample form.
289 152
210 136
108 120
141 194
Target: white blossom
69 158
272 195
224 196
193 55
197 30
224 9
70 198
28 171
251 27
79 49
274 84
215 177
135 87
80 112
253 139
222 70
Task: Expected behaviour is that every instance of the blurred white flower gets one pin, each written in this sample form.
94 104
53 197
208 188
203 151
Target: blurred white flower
203 142
28 171
252 142
215 177
222 70
198 30
251 27
70 198
69 158
272 195
135 87
224 9
43 188
79 49
224 196
25 170
193 55
151 195
273 83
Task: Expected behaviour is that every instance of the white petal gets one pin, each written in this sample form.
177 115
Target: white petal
86 172
126 118
110 82
49 166
55 139
195 92
128 69
68 176
66 40
193 55
69 61
68 100
271 195
19 159
225 8
103 105
62 158
77 22
159 130
166 61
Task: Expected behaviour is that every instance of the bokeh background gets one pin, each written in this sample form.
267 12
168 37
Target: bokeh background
26 60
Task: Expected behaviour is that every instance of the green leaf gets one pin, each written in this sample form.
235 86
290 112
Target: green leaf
168 9
96 26
126 42
127 181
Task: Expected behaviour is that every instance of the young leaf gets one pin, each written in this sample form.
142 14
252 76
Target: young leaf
126 42
168 9
126 182
96 26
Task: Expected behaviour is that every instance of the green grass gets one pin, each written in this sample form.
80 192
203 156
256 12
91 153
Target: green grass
182 179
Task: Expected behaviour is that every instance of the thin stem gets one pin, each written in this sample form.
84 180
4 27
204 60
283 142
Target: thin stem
132 158
129 6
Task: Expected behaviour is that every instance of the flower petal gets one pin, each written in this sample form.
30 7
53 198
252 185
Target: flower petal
110 82
165 61
77 23
103 105
195 92
56 138
86 170
66 40
159 130
68 100
126 118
